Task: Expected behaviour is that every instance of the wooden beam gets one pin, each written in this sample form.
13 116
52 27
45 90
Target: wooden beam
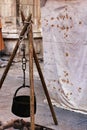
31 77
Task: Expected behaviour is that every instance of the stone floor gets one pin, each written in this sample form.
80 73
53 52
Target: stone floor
67 120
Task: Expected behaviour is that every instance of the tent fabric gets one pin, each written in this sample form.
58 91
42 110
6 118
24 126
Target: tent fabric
64 31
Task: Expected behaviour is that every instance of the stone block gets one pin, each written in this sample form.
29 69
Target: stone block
11 40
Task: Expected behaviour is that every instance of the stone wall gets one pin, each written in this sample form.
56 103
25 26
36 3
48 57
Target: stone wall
8 14
12 23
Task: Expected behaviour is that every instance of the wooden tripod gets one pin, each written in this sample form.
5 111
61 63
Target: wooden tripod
31 55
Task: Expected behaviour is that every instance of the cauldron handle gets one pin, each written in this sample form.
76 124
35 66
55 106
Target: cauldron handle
19 89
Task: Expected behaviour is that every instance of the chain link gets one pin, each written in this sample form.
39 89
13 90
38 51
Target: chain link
23 63
21 38
24 60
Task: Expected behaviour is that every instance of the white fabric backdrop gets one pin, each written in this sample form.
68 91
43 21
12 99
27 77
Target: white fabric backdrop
64 30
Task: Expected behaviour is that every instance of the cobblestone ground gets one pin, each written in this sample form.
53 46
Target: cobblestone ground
67 120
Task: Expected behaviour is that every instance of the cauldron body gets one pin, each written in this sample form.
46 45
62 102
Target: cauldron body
21 105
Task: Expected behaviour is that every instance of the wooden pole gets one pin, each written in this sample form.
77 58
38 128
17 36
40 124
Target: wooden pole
31 78
43 82
15 50
44 87
1 38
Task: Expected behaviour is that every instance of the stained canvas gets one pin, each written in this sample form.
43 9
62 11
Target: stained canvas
64 31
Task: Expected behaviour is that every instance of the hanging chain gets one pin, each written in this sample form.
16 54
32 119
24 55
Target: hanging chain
23 63
21 38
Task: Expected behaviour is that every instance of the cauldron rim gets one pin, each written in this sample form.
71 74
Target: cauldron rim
22 99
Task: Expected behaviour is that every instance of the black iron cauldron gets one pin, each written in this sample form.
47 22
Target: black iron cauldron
21 104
